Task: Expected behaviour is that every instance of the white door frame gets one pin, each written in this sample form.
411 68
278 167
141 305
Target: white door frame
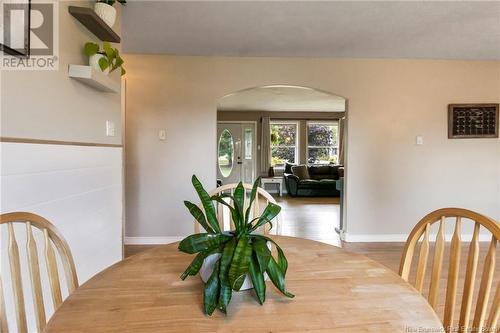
254 148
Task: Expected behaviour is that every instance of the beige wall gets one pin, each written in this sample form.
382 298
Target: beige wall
301 117
50 105
78 188
391 182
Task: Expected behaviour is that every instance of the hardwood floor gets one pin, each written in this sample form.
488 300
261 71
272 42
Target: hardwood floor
312 218
316 219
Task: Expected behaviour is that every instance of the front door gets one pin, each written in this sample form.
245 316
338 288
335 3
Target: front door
236 152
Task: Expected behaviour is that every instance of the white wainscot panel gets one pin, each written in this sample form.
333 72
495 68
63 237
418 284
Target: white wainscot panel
78 189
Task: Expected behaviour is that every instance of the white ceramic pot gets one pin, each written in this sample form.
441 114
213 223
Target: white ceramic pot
208 267
94 63
106 12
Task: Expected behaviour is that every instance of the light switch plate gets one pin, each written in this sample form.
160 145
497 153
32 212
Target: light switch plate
162 135
419 140
110 128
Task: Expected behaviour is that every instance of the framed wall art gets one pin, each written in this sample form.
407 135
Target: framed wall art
472 121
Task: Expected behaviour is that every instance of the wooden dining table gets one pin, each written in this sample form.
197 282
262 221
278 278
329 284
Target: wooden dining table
335 291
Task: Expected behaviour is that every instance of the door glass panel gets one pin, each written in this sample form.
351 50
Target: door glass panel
226 153
248 143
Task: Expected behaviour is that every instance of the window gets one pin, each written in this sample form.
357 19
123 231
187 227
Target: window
322 142
284 142
226 153
248 143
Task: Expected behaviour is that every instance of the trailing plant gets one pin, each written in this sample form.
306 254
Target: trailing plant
112 2
241 251
111 59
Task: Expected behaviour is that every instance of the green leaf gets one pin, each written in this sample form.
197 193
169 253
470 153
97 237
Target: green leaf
195 265
277 277
220 199
225 288
108 50
268 214
253 195
103 64
239 202
123 71
211 291
262 253
198 215
207 204
202 242
282 261
91 49
234 213
259 285
119 60
241 261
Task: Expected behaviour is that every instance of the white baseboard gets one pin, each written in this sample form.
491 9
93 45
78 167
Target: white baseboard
379 238
358 238
349 238
152 240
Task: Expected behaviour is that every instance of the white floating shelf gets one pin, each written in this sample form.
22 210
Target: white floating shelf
94 79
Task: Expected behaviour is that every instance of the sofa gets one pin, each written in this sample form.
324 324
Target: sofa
312 180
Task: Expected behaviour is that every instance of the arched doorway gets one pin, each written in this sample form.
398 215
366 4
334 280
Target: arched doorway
270 130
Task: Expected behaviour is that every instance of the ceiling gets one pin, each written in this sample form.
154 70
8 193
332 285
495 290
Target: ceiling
360 29
282 98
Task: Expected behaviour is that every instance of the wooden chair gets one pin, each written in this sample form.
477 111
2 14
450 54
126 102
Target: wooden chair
422 230
52 238
256 210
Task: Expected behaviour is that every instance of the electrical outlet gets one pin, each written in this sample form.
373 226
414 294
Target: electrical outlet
419 140
110 128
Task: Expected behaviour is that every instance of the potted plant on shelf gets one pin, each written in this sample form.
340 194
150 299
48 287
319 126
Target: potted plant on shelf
105 10
106 60
234 256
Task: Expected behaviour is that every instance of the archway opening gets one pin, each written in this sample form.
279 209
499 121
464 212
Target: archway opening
294 137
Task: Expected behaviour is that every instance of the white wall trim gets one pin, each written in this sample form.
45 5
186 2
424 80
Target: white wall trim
349 238
378 238
152 240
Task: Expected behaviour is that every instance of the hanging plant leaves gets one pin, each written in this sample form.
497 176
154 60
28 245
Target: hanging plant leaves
91 49
103 64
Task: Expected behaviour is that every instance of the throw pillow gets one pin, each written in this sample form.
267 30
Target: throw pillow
288 167
301 171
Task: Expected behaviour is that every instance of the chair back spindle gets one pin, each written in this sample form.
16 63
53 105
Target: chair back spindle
51 238
484 318
262 195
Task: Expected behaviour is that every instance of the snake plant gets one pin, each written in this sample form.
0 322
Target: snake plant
241 251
